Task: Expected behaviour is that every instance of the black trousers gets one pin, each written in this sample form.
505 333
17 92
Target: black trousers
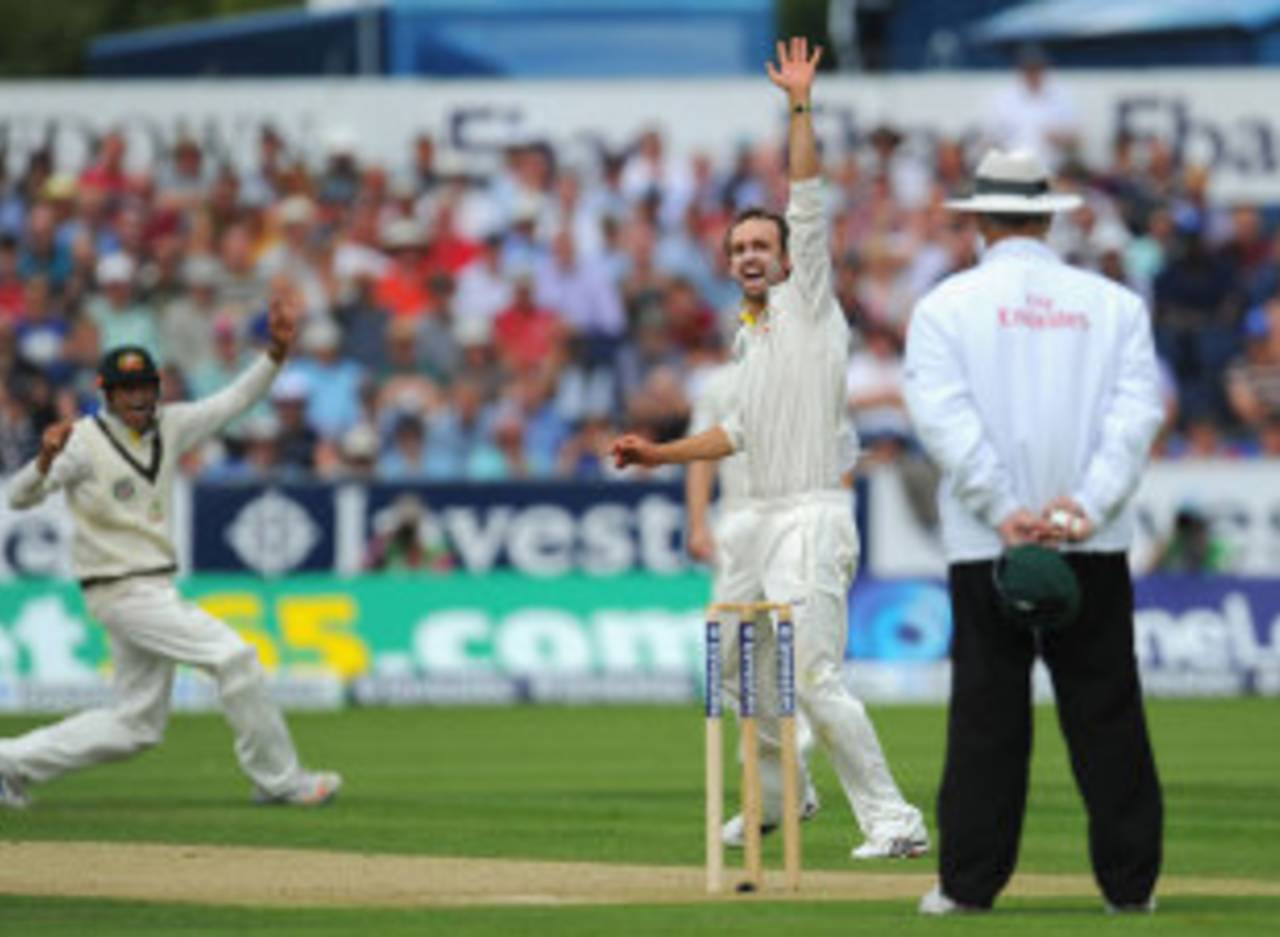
989 728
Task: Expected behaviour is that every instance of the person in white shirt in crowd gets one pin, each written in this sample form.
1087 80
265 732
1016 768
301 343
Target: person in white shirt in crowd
117 470
790 407
1034 111
483 289
874 387
292 256
652 172
1034 387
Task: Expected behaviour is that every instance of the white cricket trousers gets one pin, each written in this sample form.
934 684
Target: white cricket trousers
736 520
151 629
803 550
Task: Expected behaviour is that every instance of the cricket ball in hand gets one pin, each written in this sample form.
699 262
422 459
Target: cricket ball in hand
1067 521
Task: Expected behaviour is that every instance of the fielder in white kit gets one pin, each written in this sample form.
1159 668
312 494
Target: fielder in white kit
117 470
790 410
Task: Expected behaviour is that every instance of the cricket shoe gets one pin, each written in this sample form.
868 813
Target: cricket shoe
313 789
893 847
13 793
731 834
937 902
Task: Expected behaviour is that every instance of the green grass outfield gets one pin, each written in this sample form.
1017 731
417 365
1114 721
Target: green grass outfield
625 785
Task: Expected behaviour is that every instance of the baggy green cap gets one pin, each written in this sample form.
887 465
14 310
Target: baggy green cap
1037 588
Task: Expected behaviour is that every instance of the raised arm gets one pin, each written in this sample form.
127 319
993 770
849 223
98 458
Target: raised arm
794 74
808 246
194 422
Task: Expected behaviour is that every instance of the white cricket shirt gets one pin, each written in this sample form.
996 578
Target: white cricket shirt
1028 379
790 387
119 484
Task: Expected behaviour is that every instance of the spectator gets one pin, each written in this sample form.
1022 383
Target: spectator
185 180
402 288
363 323
333 382
1196 311
12 292
406 460
42 253
118 316
405 538
1034 112
296 440
186 322
1192 547
41 332
1253 379
403 384
358 454
291 255
483 291
525 333
463 443
107 172
875 389
240 284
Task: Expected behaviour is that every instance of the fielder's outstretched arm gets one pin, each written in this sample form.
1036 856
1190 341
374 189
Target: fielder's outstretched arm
636 450
194 422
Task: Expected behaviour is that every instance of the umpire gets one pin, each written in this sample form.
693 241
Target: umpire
1033 385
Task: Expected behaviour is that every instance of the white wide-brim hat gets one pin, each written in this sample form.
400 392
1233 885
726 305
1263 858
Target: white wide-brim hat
1013 183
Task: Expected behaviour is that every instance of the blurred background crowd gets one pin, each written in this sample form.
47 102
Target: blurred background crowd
476 325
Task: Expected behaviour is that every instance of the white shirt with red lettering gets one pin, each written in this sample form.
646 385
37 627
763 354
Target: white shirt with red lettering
1028 379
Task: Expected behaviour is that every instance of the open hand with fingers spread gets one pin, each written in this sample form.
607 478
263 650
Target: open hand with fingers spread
795 69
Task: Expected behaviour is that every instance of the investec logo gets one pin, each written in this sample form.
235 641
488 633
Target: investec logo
550 540
272 533
1205 640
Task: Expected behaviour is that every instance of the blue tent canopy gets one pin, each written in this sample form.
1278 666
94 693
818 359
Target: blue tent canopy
552 38
1085 19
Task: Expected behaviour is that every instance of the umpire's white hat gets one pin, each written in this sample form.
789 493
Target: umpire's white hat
1013 183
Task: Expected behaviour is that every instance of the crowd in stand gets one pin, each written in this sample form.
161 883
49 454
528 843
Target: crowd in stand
506 324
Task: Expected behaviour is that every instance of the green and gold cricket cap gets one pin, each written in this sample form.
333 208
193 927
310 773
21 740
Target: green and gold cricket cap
126 365
1037 588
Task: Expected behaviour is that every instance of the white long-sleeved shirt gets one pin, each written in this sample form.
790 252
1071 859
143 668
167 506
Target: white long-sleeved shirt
790 388
715 405
119 484
1028 379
